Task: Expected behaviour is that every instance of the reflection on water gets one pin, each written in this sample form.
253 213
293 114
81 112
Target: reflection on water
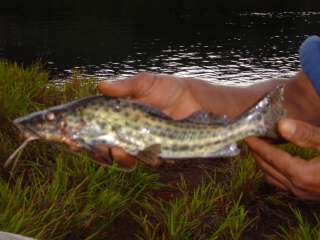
234 49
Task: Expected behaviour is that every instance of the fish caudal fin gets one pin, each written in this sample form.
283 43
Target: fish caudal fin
267 112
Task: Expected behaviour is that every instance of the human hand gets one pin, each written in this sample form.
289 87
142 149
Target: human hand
172 95
290 173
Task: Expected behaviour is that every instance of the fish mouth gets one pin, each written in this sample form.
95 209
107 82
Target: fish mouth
25 130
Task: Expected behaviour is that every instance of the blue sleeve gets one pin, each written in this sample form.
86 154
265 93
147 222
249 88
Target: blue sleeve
310 60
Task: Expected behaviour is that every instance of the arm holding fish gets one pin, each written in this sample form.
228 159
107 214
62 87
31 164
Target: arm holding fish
180 97
288 172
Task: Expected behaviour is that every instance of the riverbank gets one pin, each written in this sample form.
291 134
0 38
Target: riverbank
53 194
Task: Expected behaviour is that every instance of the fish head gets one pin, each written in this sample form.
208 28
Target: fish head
47 124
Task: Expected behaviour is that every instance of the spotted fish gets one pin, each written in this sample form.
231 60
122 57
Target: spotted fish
147 133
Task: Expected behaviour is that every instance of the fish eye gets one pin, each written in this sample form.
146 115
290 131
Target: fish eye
50 116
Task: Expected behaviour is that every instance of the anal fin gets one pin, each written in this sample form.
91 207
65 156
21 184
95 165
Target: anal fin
228 151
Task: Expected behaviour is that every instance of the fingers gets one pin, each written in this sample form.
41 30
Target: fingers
123 159
272 175
74 148
276 183
116 154
278 159
288 184
105 155
301 194
300 133
287 172
134 86
123 88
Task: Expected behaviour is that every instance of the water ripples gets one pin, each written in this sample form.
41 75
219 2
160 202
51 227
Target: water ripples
237 50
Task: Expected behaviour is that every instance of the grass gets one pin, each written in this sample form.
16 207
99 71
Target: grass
303 230
56 195
182 217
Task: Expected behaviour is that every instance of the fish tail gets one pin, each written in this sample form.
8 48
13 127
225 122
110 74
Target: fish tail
266 113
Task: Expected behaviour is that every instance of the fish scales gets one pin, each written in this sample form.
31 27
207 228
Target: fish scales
130 131
171 141
138 128
133 138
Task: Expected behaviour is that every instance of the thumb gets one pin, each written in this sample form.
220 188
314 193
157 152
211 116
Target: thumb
300 133
134 86
121 88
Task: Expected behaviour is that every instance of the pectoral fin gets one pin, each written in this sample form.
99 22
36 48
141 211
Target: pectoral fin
150 155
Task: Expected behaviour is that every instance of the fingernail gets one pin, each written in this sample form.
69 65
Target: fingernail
105 82
113 81
110 81
102 82
249 139
287 127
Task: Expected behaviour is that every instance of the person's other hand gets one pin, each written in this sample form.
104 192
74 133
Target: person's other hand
291 173
167 93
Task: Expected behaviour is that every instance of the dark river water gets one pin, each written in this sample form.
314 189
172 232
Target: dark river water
227 49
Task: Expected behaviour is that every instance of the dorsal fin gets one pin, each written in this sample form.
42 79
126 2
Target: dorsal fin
151 110
201 117
208 118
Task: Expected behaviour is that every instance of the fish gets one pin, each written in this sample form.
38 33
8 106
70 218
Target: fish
147 133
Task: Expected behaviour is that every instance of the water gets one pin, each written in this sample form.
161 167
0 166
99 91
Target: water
234 49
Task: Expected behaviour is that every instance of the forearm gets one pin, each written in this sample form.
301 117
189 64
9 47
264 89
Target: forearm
300 99
228 100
